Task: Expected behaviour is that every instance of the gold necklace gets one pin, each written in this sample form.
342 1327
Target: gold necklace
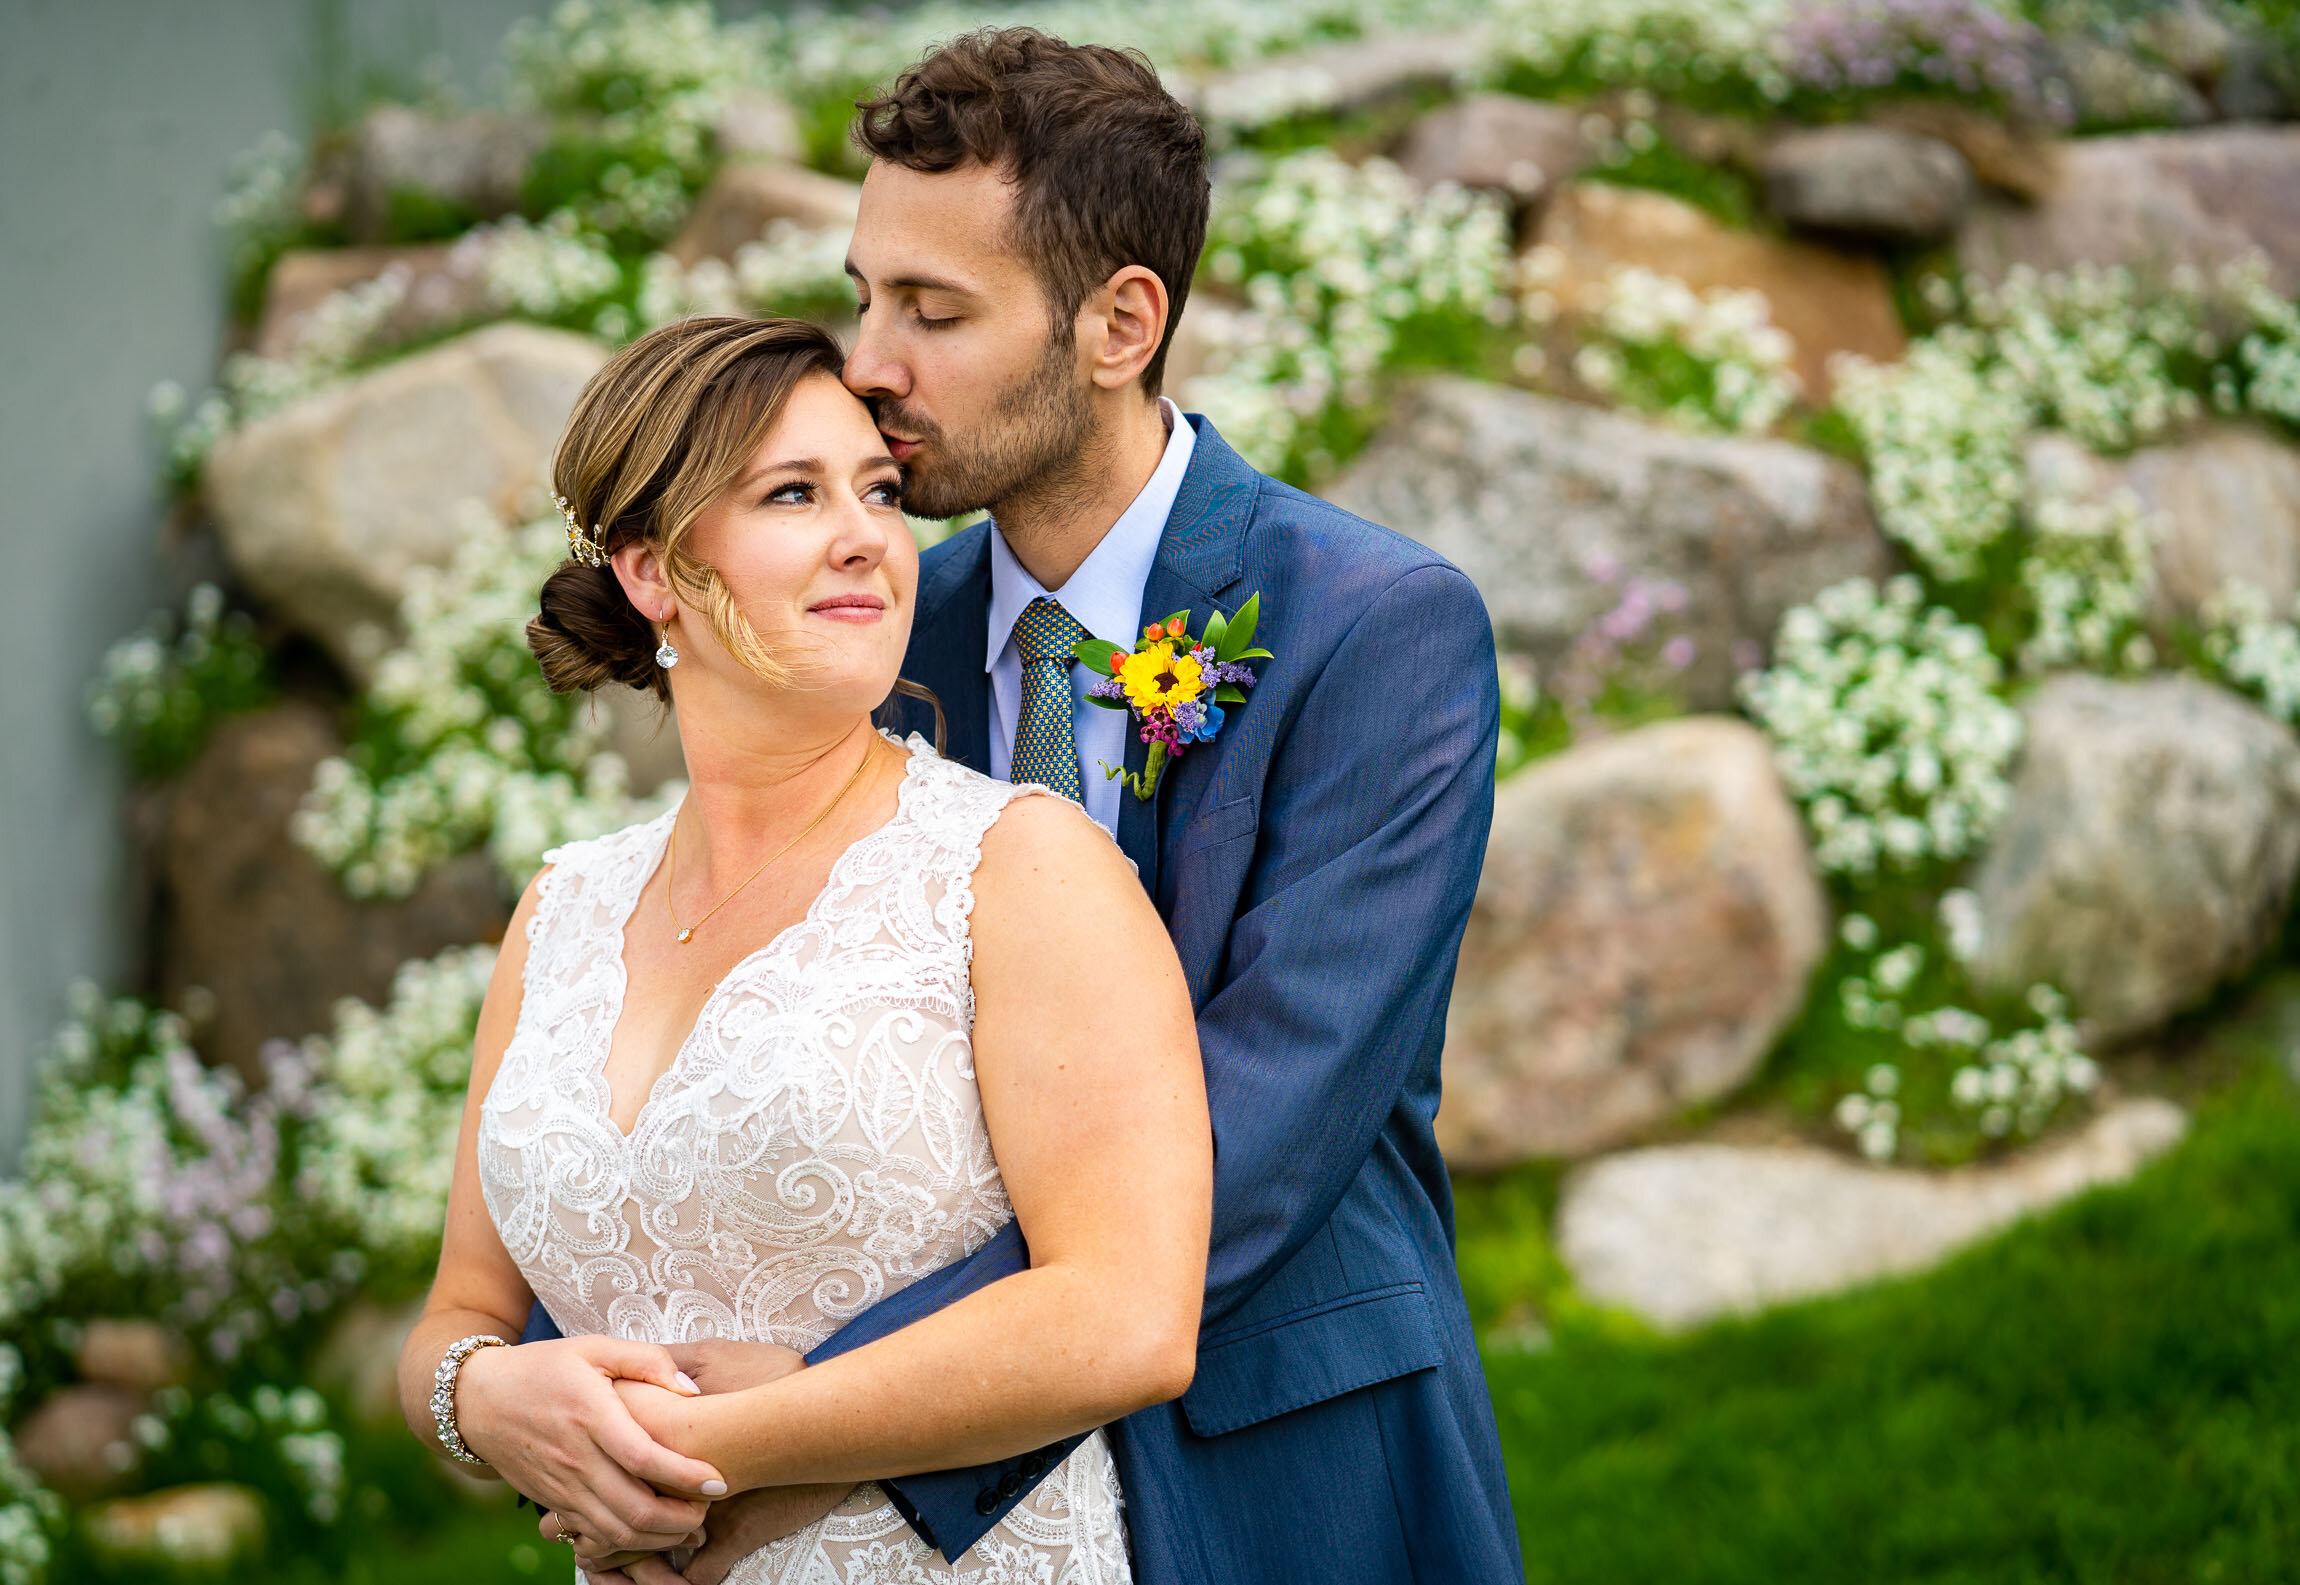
671 877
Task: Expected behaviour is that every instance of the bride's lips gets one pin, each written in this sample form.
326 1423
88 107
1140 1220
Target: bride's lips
850 608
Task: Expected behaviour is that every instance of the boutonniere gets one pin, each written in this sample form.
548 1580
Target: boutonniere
1174 684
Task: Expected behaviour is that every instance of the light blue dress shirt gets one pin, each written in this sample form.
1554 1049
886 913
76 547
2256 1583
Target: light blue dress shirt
1105 596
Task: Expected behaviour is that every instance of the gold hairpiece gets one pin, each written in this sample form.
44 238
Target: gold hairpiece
588 548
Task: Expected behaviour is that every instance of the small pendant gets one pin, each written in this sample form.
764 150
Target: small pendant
686 935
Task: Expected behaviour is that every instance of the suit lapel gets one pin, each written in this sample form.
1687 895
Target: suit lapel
947 641
1200 555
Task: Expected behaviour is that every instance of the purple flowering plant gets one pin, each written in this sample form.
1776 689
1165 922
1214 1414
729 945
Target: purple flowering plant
1858 48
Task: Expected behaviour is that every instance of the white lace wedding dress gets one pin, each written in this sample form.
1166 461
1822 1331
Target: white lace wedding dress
817 1144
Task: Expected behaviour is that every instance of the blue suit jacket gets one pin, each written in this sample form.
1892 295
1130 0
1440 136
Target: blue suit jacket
1315 865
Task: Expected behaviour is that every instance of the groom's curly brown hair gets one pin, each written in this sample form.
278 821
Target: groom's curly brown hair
1108 168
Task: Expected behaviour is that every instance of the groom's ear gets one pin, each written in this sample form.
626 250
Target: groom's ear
1123 325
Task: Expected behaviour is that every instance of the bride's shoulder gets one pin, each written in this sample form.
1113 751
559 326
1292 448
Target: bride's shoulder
1036 839
584 857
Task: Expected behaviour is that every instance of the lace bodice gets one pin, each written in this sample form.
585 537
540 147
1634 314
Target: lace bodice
816 1144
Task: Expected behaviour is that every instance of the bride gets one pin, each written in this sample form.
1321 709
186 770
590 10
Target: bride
745 1069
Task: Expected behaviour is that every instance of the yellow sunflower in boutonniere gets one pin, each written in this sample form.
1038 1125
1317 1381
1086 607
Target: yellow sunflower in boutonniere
1174 684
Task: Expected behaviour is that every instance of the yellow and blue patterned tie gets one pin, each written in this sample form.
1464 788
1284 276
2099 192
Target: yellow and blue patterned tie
1045 743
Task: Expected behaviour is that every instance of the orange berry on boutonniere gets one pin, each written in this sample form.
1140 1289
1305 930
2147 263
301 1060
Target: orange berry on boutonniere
1117 661
1175 626
1154 630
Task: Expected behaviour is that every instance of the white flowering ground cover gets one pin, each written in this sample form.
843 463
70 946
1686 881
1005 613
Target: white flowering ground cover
463 744
153 1185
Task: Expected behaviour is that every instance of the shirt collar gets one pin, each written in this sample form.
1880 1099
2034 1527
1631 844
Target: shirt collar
1105 593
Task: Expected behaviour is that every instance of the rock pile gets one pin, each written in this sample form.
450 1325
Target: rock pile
1527 494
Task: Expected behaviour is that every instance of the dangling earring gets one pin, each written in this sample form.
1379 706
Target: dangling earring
666 653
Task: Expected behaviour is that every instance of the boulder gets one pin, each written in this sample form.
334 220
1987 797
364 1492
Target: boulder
444 289
2257 82
2111 88
2149 851
472 166
81 1441
2186 37
2013 157
326 505
1533 496
644 733
1643 932
359 1361
1348 75
1519 146
745 197
1826 300
1860 181
1684 1233
257 925
1204 338
184 1527
2153 201
137 1356
2225 502
756 125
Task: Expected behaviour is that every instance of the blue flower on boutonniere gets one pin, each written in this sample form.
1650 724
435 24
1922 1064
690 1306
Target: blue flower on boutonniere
1174 684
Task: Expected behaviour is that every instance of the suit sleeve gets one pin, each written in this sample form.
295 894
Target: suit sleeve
1373 831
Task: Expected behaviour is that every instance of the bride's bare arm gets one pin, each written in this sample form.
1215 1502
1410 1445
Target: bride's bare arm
1087 1057
544 1415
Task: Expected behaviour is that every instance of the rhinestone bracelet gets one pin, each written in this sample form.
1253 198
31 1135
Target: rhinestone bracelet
443 1393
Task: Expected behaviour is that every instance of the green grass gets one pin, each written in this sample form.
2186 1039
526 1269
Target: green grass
2111 1393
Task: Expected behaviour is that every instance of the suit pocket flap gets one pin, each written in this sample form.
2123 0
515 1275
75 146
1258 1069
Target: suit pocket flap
1293 1361
1226 822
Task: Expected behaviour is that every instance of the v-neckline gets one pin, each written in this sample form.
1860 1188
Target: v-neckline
655 1091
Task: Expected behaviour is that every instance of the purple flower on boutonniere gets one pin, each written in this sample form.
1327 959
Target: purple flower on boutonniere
1174 684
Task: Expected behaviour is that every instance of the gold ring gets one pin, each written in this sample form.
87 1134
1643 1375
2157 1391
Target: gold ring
559 1530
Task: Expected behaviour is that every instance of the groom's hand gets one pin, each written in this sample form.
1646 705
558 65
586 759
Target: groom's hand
739 1525
718 1364
749 1520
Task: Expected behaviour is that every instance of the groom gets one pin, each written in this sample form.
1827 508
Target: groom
1027 237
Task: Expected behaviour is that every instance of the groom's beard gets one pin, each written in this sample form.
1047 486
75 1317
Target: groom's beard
1036 433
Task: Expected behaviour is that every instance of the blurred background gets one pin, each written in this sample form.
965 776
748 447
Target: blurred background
1874 426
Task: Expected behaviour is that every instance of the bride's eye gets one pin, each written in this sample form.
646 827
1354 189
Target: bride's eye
790 494
887 492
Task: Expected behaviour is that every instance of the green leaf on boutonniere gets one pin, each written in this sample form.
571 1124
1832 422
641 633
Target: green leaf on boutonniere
1216 626
1107 704
1249 654
1238 632
1229 693
1094 654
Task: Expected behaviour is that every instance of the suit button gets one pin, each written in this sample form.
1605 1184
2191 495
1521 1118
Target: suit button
1034 1466
1009 1483
986 1504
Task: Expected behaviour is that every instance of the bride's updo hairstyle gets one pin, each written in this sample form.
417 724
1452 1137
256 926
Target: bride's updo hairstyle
660 433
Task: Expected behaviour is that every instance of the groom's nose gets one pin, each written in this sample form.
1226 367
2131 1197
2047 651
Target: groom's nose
870 370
